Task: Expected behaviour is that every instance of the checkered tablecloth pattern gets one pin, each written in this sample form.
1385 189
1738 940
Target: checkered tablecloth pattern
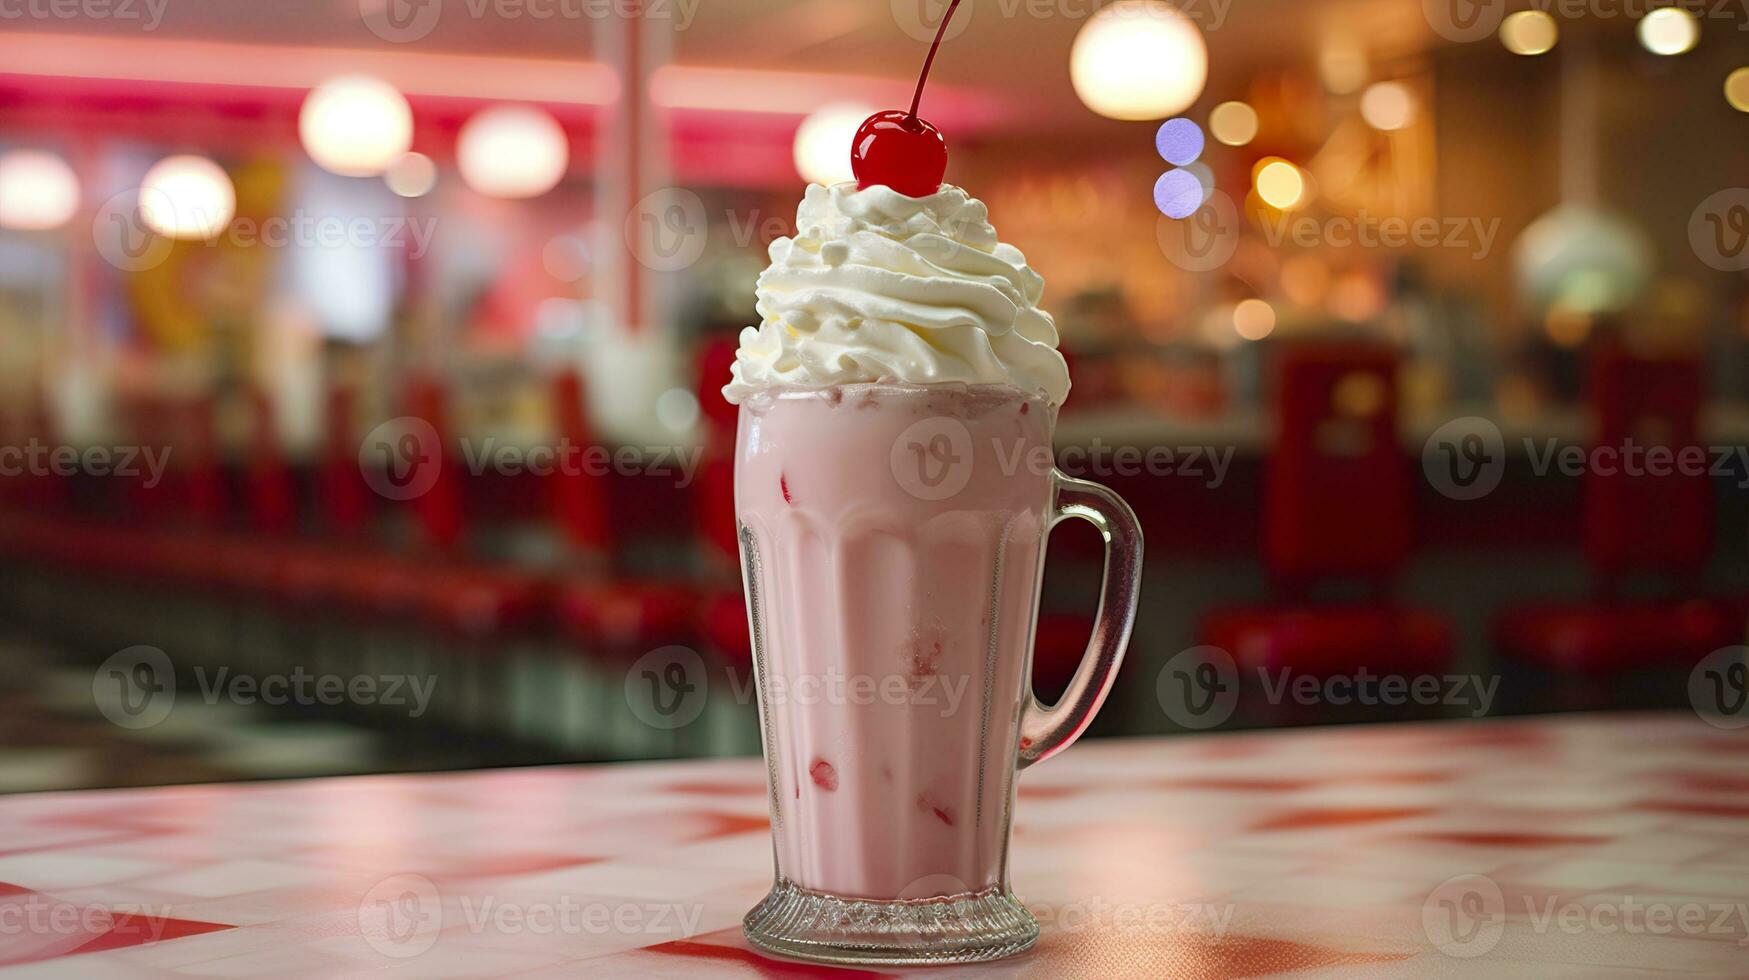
1594 846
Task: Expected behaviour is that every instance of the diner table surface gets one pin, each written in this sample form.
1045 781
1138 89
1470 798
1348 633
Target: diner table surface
1580 845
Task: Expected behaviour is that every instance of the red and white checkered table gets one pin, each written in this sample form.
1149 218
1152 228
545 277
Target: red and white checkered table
1586 846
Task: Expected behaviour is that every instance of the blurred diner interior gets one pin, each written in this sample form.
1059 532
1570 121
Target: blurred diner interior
361 344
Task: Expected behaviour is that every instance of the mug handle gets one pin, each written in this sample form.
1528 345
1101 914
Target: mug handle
1047 730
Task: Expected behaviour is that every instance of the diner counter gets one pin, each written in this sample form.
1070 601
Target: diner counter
1584 846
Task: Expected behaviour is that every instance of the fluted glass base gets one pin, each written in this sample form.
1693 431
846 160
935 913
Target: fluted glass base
965 928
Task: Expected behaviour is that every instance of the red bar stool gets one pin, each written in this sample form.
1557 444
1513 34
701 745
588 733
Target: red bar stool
1636 526
606 620
444 614
1337 507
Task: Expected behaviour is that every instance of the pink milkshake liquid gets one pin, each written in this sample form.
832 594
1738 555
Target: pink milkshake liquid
892 537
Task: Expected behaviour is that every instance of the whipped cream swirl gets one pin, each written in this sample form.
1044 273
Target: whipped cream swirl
877 286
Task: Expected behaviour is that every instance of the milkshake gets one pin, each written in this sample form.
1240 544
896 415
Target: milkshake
898 627
894 487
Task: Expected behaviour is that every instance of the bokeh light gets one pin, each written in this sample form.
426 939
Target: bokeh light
1253 319
1138 59
1737 89
1387 106
1178 193
38 191
1280 184
411 175
1233 123
187 197
1342 66
822 146
1529 32
512 151
1179 141
355 126
1669 31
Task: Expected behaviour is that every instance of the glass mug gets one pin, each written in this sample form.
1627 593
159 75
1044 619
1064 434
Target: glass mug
892 539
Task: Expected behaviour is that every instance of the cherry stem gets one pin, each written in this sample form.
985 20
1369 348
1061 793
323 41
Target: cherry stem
924 77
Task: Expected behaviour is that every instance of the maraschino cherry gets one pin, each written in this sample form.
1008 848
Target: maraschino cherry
899 148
